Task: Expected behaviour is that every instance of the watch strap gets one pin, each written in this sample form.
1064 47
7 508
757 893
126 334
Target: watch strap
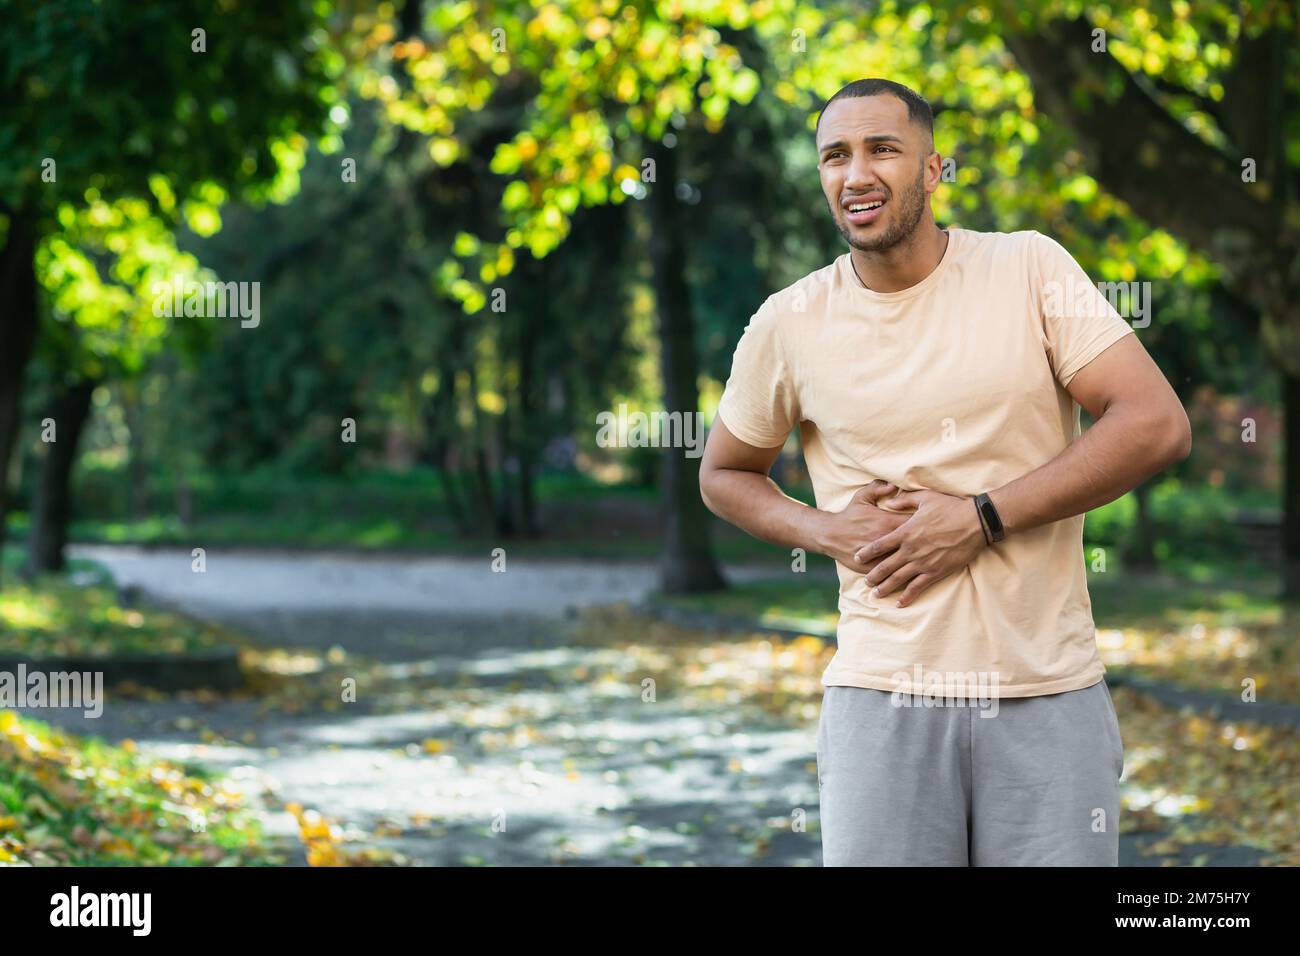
984 528
990 517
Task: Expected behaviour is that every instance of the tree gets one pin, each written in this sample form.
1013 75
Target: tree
614 88
98 274
110 99
1191 115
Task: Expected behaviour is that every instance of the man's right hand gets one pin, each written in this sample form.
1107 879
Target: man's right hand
861 520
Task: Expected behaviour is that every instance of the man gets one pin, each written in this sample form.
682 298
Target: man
926 368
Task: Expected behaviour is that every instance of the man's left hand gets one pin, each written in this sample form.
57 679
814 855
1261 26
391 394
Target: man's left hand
942 536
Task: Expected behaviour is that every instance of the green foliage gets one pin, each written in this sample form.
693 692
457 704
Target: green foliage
1193 523
607 77
114 93
100 272
360 331
118 127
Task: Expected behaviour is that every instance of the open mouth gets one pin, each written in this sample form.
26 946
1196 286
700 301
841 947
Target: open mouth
861 213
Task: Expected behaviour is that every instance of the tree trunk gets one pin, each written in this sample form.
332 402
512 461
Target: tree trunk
506 521
487 518
439 415
528 423
528 495
1291 487
52 503
1141 552
140 503
184 500
18 324
686 556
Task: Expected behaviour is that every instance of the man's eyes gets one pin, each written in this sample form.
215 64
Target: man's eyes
840 152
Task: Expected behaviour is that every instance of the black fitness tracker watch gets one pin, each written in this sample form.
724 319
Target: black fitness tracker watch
990 518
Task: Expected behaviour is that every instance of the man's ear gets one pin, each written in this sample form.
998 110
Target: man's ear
933 170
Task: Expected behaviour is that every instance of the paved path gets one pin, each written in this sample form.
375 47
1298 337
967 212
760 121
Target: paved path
319 581
582 774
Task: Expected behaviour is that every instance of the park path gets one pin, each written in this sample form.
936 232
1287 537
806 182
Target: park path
580 773
269 580
474 707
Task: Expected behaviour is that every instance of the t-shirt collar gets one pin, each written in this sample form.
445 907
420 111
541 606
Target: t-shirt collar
851 277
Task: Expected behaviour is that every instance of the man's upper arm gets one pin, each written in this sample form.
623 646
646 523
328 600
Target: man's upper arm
724 450
760 401
1125 376
1124 372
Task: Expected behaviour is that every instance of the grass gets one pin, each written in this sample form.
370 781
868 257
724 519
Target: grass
580 517
74 801
77 615
809 600
70 800
67 800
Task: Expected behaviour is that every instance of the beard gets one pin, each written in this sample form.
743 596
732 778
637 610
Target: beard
910 207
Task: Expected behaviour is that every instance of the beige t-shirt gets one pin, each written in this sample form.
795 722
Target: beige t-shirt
955 384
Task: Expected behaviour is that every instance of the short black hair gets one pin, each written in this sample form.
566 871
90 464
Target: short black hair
918 108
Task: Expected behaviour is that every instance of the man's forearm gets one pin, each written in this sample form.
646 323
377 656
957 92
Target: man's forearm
756 504
1121 450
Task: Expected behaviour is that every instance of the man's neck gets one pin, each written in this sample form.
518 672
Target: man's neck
903 265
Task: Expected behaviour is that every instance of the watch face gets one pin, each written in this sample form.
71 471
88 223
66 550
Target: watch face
991 516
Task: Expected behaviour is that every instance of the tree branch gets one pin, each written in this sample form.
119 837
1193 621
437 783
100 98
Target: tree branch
1141 154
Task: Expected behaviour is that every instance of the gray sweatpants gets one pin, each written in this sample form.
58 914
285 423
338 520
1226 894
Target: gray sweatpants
1036 783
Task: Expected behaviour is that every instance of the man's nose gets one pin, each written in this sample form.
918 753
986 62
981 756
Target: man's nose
861 175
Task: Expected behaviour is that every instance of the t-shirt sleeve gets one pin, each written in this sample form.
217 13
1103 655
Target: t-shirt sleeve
759 404
1079 323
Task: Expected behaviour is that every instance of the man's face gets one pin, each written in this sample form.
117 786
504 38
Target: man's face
869 152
